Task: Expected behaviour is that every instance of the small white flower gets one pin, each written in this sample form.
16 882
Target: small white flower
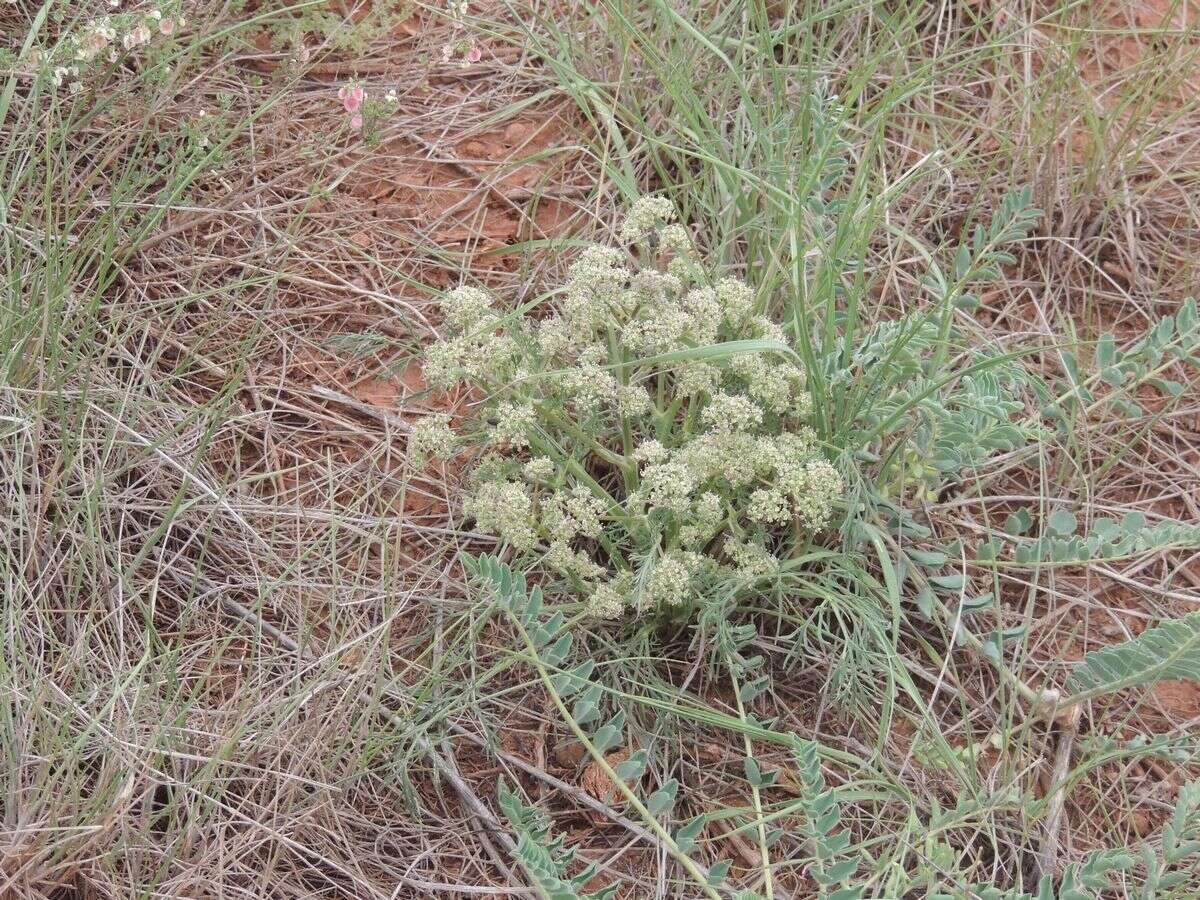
671 580
769 380
646 215
751 560
539 469
726 468
505 509
444 364
586 509
769 507
686 269
608 601
514 422
587 388
656 286
727 413
651 452
813 489
704 519
669 486
557 340
675 237
465 307
572 562
574 513
732 457
761 327
634 401
433 436
695 378
660 329
736 299
594 285
704 314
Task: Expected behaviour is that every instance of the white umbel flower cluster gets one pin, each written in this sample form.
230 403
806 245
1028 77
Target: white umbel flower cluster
505 509
540 469
645 216
466 308
514 421
472 350
608 600
635 472
433 436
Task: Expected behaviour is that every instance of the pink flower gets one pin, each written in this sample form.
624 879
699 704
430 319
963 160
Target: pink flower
166 26
137 37
352 96
92 45
356 123
474 55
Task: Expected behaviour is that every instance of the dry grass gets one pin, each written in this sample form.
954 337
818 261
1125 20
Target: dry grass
241 659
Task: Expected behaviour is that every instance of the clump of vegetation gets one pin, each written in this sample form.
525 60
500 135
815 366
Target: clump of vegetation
894 516
648 441
826 848
90 48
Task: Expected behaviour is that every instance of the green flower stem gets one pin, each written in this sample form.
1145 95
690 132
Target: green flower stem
615 351
755 794
663 428
613 459
689 417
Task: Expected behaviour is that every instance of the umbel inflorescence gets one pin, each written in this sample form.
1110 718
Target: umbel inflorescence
626 447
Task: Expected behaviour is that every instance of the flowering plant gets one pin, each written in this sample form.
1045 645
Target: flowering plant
365 113
462 45
648 441
102 41
94 45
